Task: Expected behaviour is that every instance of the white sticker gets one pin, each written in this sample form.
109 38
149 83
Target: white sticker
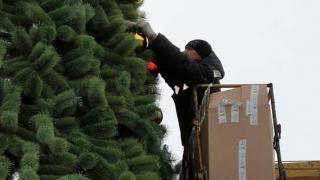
176 89
222 112
185 87
254 104
235 111
242 159
216 74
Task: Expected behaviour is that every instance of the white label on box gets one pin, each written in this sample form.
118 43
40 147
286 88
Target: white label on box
242 159
222 112
235 111
254 104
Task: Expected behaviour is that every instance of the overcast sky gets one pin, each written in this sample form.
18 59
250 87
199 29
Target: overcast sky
258 41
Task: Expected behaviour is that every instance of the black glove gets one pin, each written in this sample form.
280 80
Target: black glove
145 28
130 24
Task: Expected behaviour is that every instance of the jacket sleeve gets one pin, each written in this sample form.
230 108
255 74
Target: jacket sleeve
162 47
190 71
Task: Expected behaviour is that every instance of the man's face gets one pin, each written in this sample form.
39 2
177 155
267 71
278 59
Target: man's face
191 54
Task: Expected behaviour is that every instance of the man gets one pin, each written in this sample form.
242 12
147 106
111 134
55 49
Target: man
197 64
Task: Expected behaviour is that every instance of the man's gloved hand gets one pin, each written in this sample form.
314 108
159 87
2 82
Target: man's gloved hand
145 28
130 24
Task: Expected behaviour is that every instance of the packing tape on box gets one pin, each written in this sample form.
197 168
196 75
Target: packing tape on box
222 117
252 105
242 159
235 111
248 113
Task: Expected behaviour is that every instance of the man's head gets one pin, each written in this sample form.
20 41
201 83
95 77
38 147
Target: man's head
197 49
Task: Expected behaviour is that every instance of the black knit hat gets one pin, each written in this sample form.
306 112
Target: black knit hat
202 47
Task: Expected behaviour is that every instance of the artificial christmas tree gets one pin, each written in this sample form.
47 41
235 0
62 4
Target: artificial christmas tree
76 99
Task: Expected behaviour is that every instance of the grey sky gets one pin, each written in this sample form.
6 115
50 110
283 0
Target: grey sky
258 41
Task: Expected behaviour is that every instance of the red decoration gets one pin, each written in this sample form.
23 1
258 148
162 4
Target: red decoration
151 66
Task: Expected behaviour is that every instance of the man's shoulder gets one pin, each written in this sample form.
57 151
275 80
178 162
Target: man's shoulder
214 64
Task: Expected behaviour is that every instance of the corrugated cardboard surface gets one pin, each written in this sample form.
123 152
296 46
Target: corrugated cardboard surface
222 153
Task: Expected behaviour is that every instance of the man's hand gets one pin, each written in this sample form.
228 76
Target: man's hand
130 24
145 28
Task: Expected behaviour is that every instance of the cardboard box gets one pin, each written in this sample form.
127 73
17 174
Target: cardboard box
236 135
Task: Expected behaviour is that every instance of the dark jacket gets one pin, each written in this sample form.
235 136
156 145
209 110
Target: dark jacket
177 69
